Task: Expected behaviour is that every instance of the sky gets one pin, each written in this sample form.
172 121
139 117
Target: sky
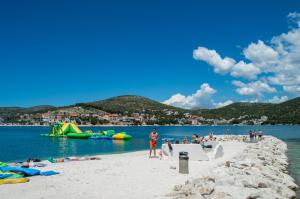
193 53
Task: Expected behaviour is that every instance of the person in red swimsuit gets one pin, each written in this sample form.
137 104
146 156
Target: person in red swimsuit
153 141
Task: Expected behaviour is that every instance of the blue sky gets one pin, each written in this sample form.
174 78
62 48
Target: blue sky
63 52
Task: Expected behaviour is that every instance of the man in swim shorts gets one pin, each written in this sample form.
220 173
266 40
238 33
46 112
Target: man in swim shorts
153 137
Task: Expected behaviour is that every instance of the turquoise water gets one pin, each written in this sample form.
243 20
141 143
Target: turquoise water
294 159
21 143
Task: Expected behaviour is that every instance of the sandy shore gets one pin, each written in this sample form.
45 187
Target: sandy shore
131 175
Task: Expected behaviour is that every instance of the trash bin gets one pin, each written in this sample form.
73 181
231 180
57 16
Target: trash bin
184 153
183 162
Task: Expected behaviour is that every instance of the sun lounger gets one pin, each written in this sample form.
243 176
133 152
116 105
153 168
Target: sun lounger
212 143
49 173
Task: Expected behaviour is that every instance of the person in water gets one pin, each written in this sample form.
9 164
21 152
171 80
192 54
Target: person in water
153 142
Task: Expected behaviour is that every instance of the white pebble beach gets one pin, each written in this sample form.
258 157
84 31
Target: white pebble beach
130 175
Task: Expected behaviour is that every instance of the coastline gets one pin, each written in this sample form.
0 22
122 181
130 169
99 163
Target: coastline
154 178
99 125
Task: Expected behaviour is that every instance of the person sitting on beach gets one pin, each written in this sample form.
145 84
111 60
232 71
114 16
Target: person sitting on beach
184 140
244 138
195 139
260 134
170 148
251 135
211 136
254 134
153 142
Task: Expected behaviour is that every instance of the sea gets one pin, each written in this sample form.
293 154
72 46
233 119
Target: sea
18 143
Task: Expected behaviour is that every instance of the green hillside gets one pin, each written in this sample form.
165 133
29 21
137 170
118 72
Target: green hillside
286 112
34 109
235 110
131 104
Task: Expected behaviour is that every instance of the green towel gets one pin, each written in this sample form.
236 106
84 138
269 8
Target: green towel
2 164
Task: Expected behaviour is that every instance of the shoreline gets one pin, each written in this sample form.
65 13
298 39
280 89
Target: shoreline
100 178
16 125
151 177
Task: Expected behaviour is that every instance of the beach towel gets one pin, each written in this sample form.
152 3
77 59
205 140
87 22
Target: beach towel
25 171
49 173
13 181
3 164
5 175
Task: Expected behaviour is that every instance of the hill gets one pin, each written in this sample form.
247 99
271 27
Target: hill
154 112
131 104
285 112
34 109
235 110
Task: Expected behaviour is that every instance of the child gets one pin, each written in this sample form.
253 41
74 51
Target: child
184 141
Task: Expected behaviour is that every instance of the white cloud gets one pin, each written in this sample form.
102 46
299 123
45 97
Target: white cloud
273 63
261 55
222 104
201 98
294 17
292 88
242 69
223 66
213 58
277 99
256 88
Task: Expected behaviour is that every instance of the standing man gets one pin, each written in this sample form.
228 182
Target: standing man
153 137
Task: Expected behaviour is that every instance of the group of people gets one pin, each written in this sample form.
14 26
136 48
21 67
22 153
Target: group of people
253 135
153 138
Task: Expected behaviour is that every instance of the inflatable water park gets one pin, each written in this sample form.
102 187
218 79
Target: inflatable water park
71 130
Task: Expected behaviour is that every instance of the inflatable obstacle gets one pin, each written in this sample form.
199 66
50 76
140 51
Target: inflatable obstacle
101 137
69 130
79 135
122 136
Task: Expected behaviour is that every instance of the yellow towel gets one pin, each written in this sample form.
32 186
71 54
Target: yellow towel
13 181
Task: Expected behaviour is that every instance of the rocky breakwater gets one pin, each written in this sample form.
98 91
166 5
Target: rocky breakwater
260 171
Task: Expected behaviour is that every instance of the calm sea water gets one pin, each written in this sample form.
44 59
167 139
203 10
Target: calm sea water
21 143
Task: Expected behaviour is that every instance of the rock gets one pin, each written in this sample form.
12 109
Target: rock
222 195
262 185
260 171
227 164
195 196
286 192
177 187
205 186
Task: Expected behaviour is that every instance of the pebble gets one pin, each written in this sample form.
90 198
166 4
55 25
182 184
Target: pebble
260 171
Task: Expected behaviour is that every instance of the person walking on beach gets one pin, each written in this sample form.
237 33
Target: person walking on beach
153 142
